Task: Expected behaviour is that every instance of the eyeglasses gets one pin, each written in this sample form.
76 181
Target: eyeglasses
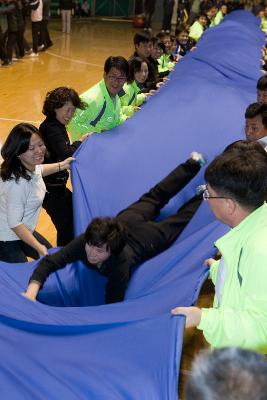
116 78
207 196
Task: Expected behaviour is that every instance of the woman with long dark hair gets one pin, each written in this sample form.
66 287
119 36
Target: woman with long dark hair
22 191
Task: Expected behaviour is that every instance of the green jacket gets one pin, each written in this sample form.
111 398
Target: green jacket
164 63
218 18
130 97
100 115
196 30
264 24
241 317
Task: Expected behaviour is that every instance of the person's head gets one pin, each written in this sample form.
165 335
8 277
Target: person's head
104 236
157 49
173 43
223 9
256 121
21 152
138 70
261 14
142 44
182 35
61 103
211 12
202 19
116 70
265 11
165 38
262 89
228 374
236 184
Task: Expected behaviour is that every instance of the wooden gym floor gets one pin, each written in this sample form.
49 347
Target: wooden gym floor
75 60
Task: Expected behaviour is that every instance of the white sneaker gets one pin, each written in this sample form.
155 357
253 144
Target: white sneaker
34 55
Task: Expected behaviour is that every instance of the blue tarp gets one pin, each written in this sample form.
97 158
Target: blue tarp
68 345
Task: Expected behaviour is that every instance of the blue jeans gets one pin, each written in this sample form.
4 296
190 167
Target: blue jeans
17 251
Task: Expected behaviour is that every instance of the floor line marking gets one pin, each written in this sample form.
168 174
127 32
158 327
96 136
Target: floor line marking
20 120
73 60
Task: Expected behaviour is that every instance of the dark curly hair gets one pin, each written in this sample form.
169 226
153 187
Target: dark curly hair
17 143
106 230
58 97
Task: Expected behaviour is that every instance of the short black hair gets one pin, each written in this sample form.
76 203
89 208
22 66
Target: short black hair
118 62
241 176
106 230
255 109
245 145
141 37
156 42
16 143
56 99
262 83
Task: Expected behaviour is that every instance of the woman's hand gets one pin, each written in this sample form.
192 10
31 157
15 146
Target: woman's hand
66 163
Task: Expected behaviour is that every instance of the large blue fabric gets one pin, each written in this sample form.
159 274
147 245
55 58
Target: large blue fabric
69 346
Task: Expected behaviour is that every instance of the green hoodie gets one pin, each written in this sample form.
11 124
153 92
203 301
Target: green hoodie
101 113
130 97
196 31
241 317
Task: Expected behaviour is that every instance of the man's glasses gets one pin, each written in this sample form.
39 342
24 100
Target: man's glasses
207 196
119 79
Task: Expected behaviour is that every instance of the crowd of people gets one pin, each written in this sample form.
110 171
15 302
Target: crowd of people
236 190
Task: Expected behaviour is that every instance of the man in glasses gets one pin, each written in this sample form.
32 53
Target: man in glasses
236 192
103 111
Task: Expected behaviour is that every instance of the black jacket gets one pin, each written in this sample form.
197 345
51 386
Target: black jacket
58 148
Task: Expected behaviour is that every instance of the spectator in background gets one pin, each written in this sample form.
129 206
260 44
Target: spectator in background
65 9
47 42
15 30
36 7
149 11
103 109
228 374
167 15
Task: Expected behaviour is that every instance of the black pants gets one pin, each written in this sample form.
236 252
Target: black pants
45 37
36 34
17 251
155 237
167 14
149 11
58 205
15 38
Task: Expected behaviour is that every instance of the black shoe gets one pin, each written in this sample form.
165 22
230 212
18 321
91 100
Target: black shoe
6 62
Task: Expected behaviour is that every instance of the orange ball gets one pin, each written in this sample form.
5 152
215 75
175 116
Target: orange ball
138 21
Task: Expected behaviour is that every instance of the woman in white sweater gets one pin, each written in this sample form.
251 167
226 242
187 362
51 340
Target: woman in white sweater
22 191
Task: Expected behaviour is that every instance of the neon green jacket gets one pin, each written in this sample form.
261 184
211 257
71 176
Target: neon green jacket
131 98
100 115
164 63
264 24
218 18
241 317
196 30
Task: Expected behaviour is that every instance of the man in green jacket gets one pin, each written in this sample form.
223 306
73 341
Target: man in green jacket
103 111
236 191
198 27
